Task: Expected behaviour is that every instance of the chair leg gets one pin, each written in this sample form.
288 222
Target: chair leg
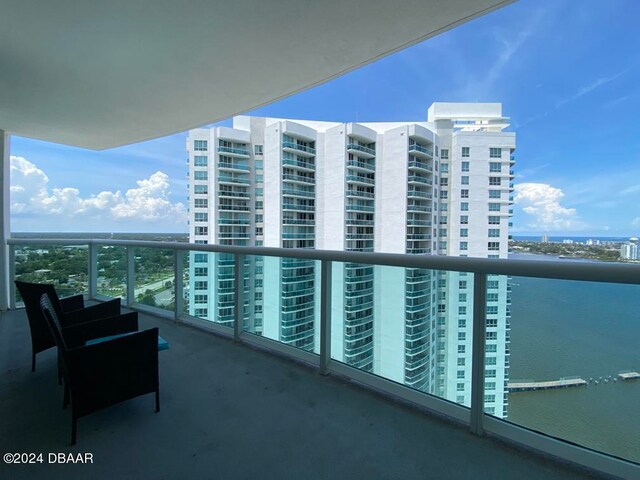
74 429
65 400
33 362
157 400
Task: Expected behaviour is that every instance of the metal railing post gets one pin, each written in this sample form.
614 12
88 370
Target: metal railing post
325 316
131 281
178 283
93 270
12 276
477 355
239 296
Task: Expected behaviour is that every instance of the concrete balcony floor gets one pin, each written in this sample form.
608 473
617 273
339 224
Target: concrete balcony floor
229 411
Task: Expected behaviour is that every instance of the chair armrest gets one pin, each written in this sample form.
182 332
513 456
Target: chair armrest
76 335
106 373
93 312
69 304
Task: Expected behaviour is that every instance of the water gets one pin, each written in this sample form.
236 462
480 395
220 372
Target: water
564 328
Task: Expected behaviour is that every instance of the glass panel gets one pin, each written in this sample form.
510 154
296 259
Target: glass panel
580 337
406 325
64 266
153 274
209 280
283 297
112 271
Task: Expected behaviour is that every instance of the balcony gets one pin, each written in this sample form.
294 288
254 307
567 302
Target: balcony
190 345
293 147
368 152
234 151
420 150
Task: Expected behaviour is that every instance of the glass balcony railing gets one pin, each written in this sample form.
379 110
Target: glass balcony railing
297 146
361 148
538 357
361 179
368 166
414 147
292 162
235 151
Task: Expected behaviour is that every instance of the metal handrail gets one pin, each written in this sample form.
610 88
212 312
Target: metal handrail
590 272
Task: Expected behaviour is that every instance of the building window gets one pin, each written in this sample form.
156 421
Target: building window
465 166
495 153
200 257
200 160
491 348
494 232
492 322
496 181
201 271
464 206
464 219
492 284
444 182
462 284
493 220
464 180
489 398
200 145
490 385
200 189
460 375
257 149
201 312
462 349
444 194
444 154
201 285
441 308
442 232
443 220
462 310
442 245
461 361
462 323
201 298
465 152
464 232
464 246
444 167
464 193
462 297
200 175
494 207
495 167
495 193
490 373
443 207
492 335
200 202
492 246
201 230
201 216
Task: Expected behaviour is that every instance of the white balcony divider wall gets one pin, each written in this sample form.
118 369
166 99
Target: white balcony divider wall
479 422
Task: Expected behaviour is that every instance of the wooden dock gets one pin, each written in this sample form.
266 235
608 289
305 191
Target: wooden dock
628 375
562 383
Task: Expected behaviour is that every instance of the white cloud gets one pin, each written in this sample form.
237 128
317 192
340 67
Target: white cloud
149 202
636 222
542 201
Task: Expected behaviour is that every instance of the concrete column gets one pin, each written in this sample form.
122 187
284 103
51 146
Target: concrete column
5 231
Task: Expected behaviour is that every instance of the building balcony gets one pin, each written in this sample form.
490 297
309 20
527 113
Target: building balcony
233 194
359 208
298 192
419 179
302 179
234 166
420 150
297 207
361 179
189 403
300 164
420 166
234 152
359 165
296 148
231 179
363 151
359 193
413 193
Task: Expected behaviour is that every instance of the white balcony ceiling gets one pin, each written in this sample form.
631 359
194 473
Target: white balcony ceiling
100 74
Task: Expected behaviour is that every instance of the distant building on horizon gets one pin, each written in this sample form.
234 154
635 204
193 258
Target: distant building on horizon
629 250
544 238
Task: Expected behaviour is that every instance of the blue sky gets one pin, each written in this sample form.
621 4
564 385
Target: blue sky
566 72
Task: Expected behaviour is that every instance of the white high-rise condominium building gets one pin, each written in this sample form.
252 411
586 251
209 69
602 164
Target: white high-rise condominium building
440 187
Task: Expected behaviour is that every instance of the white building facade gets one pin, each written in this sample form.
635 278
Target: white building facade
440 187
